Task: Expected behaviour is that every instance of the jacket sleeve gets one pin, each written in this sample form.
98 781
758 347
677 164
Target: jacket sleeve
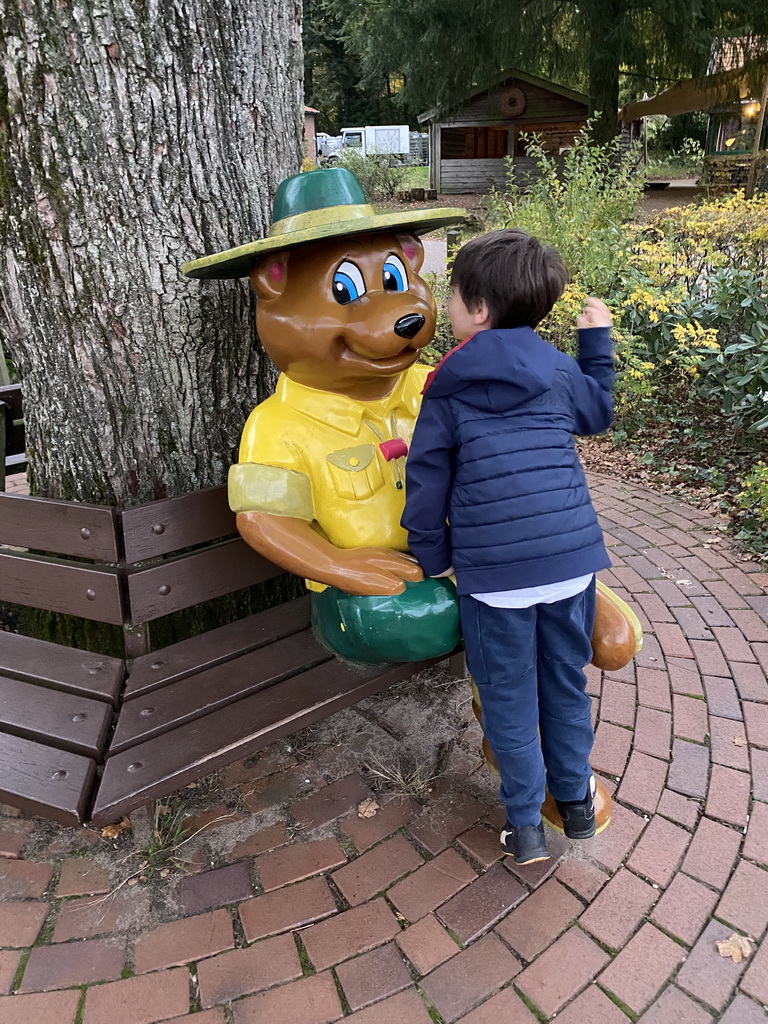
428 475
592 395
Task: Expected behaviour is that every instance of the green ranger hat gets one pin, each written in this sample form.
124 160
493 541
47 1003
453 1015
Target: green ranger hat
326 203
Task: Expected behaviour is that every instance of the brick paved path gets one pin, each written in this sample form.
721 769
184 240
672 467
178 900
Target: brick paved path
295 909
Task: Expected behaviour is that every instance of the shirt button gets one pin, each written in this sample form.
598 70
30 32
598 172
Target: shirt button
354 461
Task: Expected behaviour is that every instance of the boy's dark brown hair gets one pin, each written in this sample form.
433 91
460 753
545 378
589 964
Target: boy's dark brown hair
518 277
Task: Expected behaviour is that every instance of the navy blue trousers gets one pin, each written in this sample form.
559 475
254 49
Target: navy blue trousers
528 666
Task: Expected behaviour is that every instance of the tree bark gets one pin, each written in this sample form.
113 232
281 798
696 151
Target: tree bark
604 59
134 135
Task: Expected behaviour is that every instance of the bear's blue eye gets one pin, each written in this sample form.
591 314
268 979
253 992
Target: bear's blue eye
395 277
348 283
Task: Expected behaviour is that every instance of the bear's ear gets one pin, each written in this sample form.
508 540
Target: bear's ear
413 250
270 275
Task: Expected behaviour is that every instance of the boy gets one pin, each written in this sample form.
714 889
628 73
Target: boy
495 489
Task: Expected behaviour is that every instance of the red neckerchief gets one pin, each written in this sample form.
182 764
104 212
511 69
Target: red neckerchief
431 376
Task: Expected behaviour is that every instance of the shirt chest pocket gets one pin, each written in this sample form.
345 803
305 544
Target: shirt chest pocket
355 472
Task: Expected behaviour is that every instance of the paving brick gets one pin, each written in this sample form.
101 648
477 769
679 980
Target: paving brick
642 968
674 595
263 841
710 658
675 1007
679 808
76 963
722 699
592 1007
14 838
9 963
42 1008
707 975
293 907
446 819
712 852
617 703
185 941
743 1011
643 782
214 888
690 719
750 681
756 718
431 885
354 931
655 608
539 919
86 917
745 901
755 981
206 1017
751 625
584 878
723 734
759 760
278 789
729 794
23 879
733 644
611 847
311 1001
653 688
377 869
712 609
726 596
142 1000
611 749
82 876
374 976
689 769
561 971
672 638
630 579
298 861
211 819
20 923
482 903
481 845
653 731
242 971
619 909
684 677
426 944
467 979
534 875
331 802
684 908
506 1006
404 1008
756 843
366 832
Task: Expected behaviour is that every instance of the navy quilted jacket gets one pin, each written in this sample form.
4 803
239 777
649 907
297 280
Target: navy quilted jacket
493 455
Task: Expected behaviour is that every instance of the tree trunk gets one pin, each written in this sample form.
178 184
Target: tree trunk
134 135
604 60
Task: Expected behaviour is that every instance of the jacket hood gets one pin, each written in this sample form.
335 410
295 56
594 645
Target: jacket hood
496 370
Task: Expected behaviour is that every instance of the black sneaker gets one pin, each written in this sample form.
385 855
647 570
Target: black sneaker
526 844
579 816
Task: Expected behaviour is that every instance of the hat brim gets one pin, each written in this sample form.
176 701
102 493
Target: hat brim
238 262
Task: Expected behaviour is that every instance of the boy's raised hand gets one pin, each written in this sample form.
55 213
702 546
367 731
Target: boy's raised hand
594 314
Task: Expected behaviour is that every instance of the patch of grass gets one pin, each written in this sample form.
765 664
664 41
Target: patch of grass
531 1006
307 967
80 1013
435 1015
342 998
20 969
622 1006
404 776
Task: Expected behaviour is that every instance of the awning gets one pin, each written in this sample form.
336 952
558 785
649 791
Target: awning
727 88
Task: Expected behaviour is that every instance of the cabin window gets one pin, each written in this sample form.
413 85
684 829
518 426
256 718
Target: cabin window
733 134
555 138
474 143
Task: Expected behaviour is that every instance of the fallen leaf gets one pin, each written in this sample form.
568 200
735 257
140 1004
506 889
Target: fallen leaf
113 831
367 808
739 741
164 872
737 947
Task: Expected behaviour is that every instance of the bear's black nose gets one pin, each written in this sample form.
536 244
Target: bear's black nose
409 326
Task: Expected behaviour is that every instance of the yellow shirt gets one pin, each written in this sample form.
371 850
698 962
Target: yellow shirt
316 456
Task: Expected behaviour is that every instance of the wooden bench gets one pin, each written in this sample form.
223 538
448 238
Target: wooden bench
88 737
12 449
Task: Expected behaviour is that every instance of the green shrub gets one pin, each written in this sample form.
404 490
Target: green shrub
380 177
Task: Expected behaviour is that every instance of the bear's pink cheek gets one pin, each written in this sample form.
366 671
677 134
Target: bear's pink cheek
409 251
276 272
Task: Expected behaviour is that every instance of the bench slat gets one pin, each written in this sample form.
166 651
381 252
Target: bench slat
199 695
39 779
63 668
54 718
59 587
218 645
165 763
196 577
175 523
63 527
